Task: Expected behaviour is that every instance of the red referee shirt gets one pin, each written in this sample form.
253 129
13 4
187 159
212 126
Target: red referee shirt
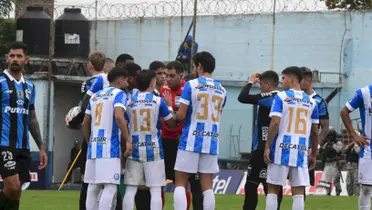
172 133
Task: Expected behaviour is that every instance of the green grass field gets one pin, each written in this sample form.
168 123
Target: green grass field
68 200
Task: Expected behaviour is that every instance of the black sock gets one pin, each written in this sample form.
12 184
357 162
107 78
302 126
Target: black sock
251 196
12 205
3 200
280 197
143 199
196 192
119 201
83 196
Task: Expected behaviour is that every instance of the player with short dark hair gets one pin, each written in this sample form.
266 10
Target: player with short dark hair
123 59
146 165
306 86
257 169
294 119
106 137
18 117
161 75
133 70
201 105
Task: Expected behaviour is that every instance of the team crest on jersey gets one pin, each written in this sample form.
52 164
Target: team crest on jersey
20 94
116 176
263 173
28 94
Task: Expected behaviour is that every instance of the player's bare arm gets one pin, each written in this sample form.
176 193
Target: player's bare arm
314 145
122 124
36 134
273 130
86 127
359 140
181 113
324 125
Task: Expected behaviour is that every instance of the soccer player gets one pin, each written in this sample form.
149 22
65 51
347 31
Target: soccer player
146 165
123 59
201 105
133 70
306 86
161 74
105 131
109 65
294 115
361 100
17 118
257 173
172 92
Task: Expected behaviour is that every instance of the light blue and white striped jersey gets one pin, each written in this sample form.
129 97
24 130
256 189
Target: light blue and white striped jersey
99 83
144 112
298 111
205 98
105 134
363 100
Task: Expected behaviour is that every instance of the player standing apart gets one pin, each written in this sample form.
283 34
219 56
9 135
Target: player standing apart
146 164
269 81
362 101
294 115
103 126
17 118
201 105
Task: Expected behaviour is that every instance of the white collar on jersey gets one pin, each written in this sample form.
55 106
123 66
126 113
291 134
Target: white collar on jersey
313 94
12 78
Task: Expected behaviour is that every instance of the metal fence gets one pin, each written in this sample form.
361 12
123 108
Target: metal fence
105 10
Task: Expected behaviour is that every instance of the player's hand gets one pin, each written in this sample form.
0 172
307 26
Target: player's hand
43 158
361 140
128 149
67 121
267 155
312 162
168 98
254 78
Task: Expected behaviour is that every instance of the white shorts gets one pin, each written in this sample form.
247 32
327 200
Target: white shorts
151 174
101 171
277 175
365 171
192 162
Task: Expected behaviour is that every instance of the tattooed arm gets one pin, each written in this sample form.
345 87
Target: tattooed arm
36 134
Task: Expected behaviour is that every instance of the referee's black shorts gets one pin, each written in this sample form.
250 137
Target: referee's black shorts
15 161
170 148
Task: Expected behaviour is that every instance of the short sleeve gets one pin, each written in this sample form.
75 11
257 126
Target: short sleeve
277 107
323 110
164 111
315 115
96 86
88 110
32 99
224 102
355 101
186 94
120 100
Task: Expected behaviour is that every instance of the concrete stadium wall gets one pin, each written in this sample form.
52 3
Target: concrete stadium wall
332 42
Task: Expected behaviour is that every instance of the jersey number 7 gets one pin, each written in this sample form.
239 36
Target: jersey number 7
300 120
98 112
216 100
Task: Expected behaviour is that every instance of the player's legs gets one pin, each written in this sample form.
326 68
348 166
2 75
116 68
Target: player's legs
186 162
84 186
92 195
276 177
365 179
299 179
133 177
108 194
208 165
155 179
196 191
143 198
280 195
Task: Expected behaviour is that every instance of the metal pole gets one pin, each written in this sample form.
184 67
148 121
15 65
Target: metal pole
50 72
193 32
95 26
273 38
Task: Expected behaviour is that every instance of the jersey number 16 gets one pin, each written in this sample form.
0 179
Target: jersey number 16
300 124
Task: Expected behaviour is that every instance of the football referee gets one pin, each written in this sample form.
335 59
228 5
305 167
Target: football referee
17 118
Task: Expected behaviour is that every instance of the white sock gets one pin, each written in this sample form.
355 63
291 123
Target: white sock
179 196
108 193
92 194
364 201
128 201
209 202
298 202
271 201
156 202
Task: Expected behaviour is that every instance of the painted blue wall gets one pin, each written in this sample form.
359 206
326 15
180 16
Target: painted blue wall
332 42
